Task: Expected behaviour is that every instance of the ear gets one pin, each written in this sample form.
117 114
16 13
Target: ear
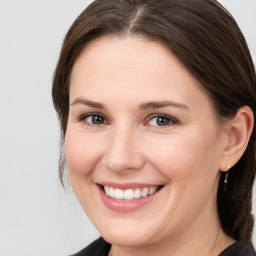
238 131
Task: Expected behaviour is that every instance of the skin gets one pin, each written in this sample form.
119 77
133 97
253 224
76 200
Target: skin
185 155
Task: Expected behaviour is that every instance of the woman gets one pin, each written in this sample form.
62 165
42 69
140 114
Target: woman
156 101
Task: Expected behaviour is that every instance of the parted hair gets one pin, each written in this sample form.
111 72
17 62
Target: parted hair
204 36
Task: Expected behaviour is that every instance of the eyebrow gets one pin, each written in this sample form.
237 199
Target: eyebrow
87 103
143 106
161 104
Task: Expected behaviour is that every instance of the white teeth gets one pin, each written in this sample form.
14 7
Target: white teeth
129 194
144 192
106 189
137 193
152 190
119 194
111 192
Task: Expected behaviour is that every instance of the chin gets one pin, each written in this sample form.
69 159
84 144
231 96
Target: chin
126 240
132 236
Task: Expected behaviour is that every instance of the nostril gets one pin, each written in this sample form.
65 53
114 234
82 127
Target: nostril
123 161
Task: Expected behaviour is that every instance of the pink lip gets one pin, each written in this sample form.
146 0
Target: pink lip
126 206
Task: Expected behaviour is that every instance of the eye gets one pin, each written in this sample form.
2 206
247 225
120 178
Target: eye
161 120
94 119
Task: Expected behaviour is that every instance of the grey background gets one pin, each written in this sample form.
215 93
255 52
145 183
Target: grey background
35 213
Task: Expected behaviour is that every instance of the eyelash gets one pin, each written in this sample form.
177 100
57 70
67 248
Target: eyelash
171 120
83 117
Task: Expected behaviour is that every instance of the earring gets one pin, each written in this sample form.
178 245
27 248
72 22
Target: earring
226 177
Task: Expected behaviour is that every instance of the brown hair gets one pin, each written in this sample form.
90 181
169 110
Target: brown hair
206 38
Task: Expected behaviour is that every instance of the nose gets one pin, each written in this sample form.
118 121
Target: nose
123 151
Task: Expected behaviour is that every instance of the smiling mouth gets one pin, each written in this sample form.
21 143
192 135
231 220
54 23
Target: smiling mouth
129 194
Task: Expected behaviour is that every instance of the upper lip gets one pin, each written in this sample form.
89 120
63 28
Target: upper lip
127 185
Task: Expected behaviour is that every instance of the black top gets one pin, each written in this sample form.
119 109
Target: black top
101 248
239 249
97 248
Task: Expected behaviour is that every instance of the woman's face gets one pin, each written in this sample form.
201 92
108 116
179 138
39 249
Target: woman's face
141 127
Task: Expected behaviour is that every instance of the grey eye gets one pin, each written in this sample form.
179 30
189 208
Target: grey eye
95 119
161 121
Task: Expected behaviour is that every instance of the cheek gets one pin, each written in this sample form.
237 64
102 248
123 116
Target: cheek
81 152
190 165
183 157
81 157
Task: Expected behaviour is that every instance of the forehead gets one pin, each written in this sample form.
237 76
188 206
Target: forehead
109 53
127 52
130 55
111 68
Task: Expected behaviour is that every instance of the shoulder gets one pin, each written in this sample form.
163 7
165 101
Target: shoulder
98 248
239 249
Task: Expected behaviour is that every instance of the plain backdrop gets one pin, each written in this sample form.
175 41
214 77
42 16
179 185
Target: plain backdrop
36 215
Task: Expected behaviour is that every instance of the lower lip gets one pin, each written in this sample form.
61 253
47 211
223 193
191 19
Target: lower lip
126 206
